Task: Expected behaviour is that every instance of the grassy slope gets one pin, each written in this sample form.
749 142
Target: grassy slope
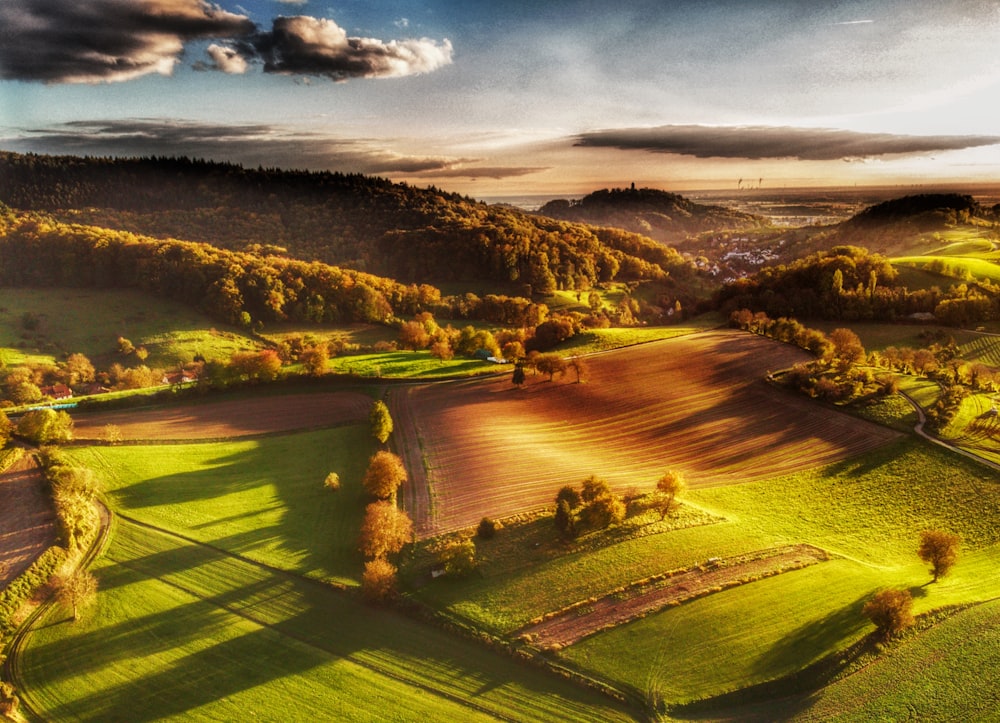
868 510
261 498
90 321
184 632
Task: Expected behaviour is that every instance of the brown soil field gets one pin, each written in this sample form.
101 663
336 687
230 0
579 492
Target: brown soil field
27 520
576 623
230 418
697 403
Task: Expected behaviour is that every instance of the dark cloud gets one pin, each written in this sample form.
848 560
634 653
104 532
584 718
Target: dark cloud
89 41
317 46
768 142
474 172
249 145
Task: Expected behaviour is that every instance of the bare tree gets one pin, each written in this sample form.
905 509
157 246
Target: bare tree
76 590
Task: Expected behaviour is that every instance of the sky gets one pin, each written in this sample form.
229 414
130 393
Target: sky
507 98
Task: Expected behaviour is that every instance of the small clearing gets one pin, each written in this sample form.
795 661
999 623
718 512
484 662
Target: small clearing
27 520
640 599
229 418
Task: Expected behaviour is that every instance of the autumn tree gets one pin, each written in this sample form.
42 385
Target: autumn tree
606 510
384 530
6 427
847 347
580 366
570 494
332 482
381 421
384 475
75 591
668 488
315 359
550 364
594 488
378 581
413 335
78 370
939 549
891 611
45 426
442 350
457 556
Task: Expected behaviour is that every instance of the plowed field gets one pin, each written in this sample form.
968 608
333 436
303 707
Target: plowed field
695 403
231 418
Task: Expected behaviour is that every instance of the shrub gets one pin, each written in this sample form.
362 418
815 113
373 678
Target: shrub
487 529
891 611
332 482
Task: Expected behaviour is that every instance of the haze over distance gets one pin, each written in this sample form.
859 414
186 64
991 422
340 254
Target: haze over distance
511 99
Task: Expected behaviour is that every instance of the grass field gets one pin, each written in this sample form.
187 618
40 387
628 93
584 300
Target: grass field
89 321
263 498
185 632
867 511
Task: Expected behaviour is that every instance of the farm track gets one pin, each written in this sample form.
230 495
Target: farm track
580 621
27 520
696 403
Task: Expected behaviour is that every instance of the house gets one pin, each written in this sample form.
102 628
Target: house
181 377
57 391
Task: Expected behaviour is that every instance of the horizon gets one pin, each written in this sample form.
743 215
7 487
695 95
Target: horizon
515 99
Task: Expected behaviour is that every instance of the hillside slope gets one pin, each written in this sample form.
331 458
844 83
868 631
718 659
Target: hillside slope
364 223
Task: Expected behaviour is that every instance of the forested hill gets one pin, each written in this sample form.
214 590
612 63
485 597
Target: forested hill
364 223
666 217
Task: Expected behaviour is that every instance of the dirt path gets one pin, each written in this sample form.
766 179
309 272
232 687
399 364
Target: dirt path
416 493
579 621
27 520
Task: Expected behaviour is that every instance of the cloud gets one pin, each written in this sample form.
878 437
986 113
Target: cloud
90 41
318 46
228 60
473 172
248 144
772 142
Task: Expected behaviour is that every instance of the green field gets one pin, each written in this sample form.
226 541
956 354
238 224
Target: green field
89 322
868 512
183 631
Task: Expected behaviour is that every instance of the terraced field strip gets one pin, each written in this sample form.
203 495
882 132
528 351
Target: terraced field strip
229 418
27 520
695 403
416 492
638 600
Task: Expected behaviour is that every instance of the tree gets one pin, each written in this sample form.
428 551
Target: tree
570 494
457 556
384 530
550 364
891 611
381 421
442 350
384 475
939 549
112 434
378 581
847 346
332 482
45 426
9 702
487 529
76 590
79 370
5 428
593 488
518 378
606 510
413 335
564 520
668 487
315 359
581 367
